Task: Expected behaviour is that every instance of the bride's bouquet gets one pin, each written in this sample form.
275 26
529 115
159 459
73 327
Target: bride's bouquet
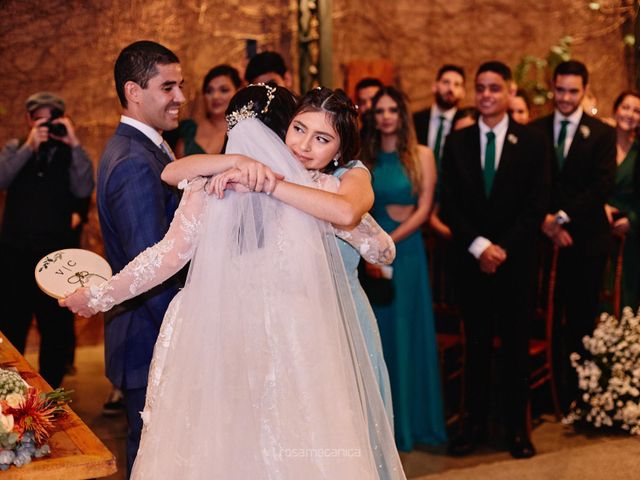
27 419
609 375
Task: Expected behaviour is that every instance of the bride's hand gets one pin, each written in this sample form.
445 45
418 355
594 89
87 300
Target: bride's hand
78 302
256 176
231 179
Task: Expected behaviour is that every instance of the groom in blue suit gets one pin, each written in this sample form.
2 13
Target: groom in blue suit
135 210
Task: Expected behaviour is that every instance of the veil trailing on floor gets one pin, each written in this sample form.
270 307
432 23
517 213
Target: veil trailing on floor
261 370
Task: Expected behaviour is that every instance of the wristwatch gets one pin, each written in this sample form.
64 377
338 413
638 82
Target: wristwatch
560 219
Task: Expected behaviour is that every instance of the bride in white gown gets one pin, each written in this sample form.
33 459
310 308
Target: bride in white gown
260 370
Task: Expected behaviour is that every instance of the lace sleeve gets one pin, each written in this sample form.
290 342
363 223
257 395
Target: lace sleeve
372 242
159 262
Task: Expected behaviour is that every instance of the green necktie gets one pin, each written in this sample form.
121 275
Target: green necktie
489 162
437 147
562 137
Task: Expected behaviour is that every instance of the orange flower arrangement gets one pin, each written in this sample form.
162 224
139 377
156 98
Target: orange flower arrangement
34 413
27 419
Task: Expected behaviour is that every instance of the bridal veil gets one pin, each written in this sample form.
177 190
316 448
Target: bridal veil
261 370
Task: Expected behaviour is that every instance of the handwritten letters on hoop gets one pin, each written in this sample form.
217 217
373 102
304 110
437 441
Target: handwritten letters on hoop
64 271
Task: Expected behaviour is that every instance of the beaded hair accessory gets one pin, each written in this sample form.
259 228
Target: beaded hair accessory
243 113
247 111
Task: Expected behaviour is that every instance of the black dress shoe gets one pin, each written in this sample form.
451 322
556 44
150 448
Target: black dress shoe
521 447
461 445
466 442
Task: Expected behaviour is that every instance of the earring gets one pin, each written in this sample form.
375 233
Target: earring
335 161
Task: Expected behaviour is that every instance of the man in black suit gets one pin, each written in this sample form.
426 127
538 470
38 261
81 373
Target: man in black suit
582 178
494 195
366 89
434 124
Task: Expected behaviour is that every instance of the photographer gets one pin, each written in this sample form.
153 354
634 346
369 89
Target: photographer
48 180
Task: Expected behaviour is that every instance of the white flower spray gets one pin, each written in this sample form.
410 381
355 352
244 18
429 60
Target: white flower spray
610 377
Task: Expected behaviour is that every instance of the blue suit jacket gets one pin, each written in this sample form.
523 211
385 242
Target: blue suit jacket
135 210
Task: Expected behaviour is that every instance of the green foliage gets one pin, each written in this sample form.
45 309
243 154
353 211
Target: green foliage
57 398
533 74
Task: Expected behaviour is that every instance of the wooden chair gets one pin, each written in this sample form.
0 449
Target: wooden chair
540 348
612 293
450 342
450 329
541 341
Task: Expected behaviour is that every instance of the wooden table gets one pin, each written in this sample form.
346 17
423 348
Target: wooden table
76 453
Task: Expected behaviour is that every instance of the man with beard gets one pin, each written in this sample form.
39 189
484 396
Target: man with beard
135 210
432 127
435 123
583 175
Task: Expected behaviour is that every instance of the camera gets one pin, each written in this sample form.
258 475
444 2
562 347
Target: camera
55 129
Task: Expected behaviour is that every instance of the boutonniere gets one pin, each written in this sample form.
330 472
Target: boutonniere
512 138
585 131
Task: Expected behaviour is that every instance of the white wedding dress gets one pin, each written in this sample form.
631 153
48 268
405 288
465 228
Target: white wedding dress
260 370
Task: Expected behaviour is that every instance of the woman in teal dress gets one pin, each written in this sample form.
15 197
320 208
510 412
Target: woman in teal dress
623 208
207 135
366 317
403 181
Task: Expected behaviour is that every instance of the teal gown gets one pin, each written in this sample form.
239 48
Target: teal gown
625 199
407 323
366 318
187 131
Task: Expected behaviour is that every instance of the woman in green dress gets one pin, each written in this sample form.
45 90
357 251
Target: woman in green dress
623 209
404 178
208 135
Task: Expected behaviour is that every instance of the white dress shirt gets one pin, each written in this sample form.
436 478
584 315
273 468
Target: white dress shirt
148 131
501 132
434 123
572 126
480 244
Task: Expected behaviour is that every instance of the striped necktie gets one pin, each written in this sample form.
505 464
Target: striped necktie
164 146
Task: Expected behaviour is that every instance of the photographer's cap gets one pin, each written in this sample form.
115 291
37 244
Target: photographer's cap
44 99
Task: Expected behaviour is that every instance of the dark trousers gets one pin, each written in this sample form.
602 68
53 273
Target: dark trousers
497 305
134 400
20 299
579 281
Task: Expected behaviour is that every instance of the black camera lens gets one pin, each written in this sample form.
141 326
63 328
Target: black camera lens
55 129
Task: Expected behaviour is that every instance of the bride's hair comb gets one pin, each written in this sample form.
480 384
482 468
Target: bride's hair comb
247 111
243 113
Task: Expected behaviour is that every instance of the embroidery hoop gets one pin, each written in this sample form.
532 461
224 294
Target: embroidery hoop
63 271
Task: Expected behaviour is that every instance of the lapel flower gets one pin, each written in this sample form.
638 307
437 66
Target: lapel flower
585 131
512 138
